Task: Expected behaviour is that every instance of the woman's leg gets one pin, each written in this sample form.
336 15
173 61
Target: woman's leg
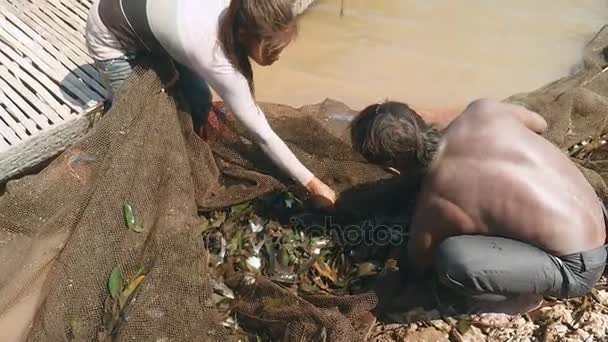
197 93
114 72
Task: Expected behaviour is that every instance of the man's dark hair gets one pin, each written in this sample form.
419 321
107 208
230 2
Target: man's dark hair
392 134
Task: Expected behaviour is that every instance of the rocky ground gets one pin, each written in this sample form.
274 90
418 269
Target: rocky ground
583 319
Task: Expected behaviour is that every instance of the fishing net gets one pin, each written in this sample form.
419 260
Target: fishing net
576 110
152 282
111 229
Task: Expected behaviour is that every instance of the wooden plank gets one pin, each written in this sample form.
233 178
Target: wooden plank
25 108
58 56
74 20
44 79
70 20
44 110
68 32
8 133
15 126
77 8
45 38
45 145
17 114
73 52
3 145
57 31
51 67
59 19
62 110
85 3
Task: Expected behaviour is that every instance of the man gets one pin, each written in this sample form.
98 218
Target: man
502 216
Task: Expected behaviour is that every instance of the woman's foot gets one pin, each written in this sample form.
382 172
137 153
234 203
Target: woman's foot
500 313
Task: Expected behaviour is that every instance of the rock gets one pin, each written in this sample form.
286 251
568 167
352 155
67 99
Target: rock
426 335
602 295
474 334
596 324
557 312
440 324
581 334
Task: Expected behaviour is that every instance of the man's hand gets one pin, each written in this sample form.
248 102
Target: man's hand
322 194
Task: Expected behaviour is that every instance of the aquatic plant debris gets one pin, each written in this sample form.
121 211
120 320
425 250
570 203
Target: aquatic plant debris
130 219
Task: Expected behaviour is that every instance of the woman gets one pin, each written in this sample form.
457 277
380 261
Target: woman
210 42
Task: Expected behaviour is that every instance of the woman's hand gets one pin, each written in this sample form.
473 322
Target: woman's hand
322 194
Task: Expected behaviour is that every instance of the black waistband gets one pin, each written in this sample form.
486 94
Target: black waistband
128 21
136 15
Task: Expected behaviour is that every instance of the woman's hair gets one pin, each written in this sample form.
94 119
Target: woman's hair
255 20
393 134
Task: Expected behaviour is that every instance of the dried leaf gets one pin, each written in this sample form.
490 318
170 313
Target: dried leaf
129 216
223 290
463 326
218 219
257 248
275 303
202 226
326 271
254 264
366 269
283 256
115 282
240 209
319 282
128 291
255 227
138 228
223 248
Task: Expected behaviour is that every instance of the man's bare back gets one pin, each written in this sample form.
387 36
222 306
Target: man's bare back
493 175
502 216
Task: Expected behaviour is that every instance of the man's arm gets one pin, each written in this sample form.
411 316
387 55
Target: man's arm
430 227
484 108
532 120
420 251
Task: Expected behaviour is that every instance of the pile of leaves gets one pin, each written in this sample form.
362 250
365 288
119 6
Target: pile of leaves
290 243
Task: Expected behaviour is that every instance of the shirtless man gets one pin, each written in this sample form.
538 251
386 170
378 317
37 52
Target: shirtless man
502 216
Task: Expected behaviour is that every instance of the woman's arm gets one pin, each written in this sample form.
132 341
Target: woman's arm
234 90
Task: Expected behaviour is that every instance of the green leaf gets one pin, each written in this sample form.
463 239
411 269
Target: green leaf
284 256
240 208
128 215
73 325
115 283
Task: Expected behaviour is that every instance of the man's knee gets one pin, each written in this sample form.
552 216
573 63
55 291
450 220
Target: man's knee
452 264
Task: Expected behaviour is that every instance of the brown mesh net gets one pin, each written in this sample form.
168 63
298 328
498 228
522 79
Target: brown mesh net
63 230
67 223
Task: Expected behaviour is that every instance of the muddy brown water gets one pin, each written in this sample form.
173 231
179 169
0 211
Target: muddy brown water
430 53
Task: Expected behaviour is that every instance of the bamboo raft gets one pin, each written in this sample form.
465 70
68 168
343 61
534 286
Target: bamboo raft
50 92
